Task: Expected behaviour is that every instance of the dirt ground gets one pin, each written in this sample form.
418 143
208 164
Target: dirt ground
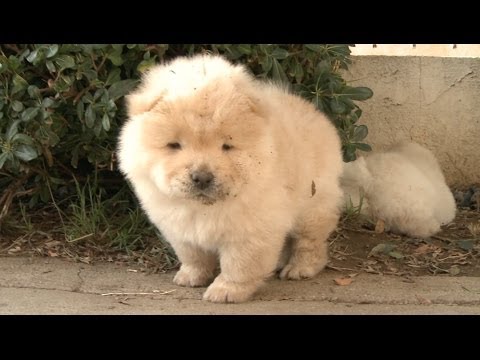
354 248
357 247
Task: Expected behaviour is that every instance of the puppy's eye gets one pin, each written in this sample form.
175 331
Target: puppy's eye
226 147
174 146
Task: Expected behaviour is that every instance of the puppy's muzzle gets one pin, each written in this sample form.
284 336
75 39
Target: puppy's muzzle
202 179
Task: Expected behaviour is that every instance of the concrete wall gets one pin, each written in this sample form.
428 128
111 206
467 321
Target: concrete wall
433 101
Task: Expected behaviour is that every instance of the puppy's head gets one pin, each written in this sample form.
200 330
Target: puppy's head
205 133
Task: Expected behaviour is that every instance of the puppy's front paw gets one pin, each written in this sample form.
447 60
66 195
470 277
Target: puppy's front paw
299 271
221 291
191 277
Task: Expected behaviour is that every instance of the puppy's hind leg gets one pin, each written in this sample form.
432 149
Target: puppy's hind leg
310 247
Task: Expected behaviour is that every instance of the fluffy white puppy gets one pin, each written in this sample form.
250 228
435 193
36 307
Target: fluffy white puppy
226 166
404 187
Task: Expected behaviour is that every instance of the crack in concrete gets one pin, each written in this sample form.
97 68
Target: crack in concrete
78 286
456 82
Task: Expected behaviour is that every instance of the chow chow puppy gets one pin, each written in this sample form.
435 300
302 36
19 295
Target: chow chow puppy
404 187
226 167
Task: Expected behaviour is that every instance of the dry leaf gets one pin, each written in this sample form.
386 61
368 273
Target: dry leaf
423 300
454 270
343 281
380 226
14 250
52 254
423 249
53 243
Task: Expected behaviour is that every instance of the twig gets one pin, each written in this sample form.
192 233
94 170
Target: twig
57 208
340 268
442 238
10 192
359 230
473 291
155 292
80 238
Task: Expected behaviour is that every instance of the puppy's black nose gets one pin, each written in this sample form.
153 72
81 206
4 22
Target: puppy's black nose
202 179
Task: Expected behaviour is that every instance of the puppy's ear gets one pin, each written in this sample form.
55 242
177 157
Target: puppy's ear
255 105
140 102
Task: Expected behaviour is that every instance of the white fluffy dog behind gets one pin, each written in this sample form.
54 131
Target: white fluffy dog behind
404 187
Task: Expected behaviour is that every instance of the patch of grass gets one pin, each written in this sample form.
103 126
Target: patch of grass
17 221
352 211
87 216
92 216
86 225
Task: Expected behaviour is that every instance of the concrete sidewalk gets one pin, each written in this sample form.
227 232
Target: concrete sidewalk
54 286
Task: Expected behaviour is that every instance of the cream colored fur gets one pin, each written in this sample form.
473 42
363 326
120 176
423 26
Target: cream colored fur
280 177
404 187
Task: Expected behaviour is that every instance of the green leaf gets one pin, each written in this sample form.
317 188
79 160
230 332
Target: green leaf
19 84
277 72
116 57
298 72
245 49
47 102
121 88
3 158
12 130
97 129
97 94
314 47
337 107
347 101
465 244
56 181
53 138
358 112
382 248
80 110
22 139
52 51
32 56
360 133
65 62
50 66
279 54
33 91
349 152
17 106
106 122
358 93
25 152
323 67
145 65
396 254
266 64
90 117
362 146
29 114
113 77
74 161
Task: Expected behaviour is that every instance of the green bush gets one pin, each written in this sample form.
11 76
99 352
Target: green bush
61 106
